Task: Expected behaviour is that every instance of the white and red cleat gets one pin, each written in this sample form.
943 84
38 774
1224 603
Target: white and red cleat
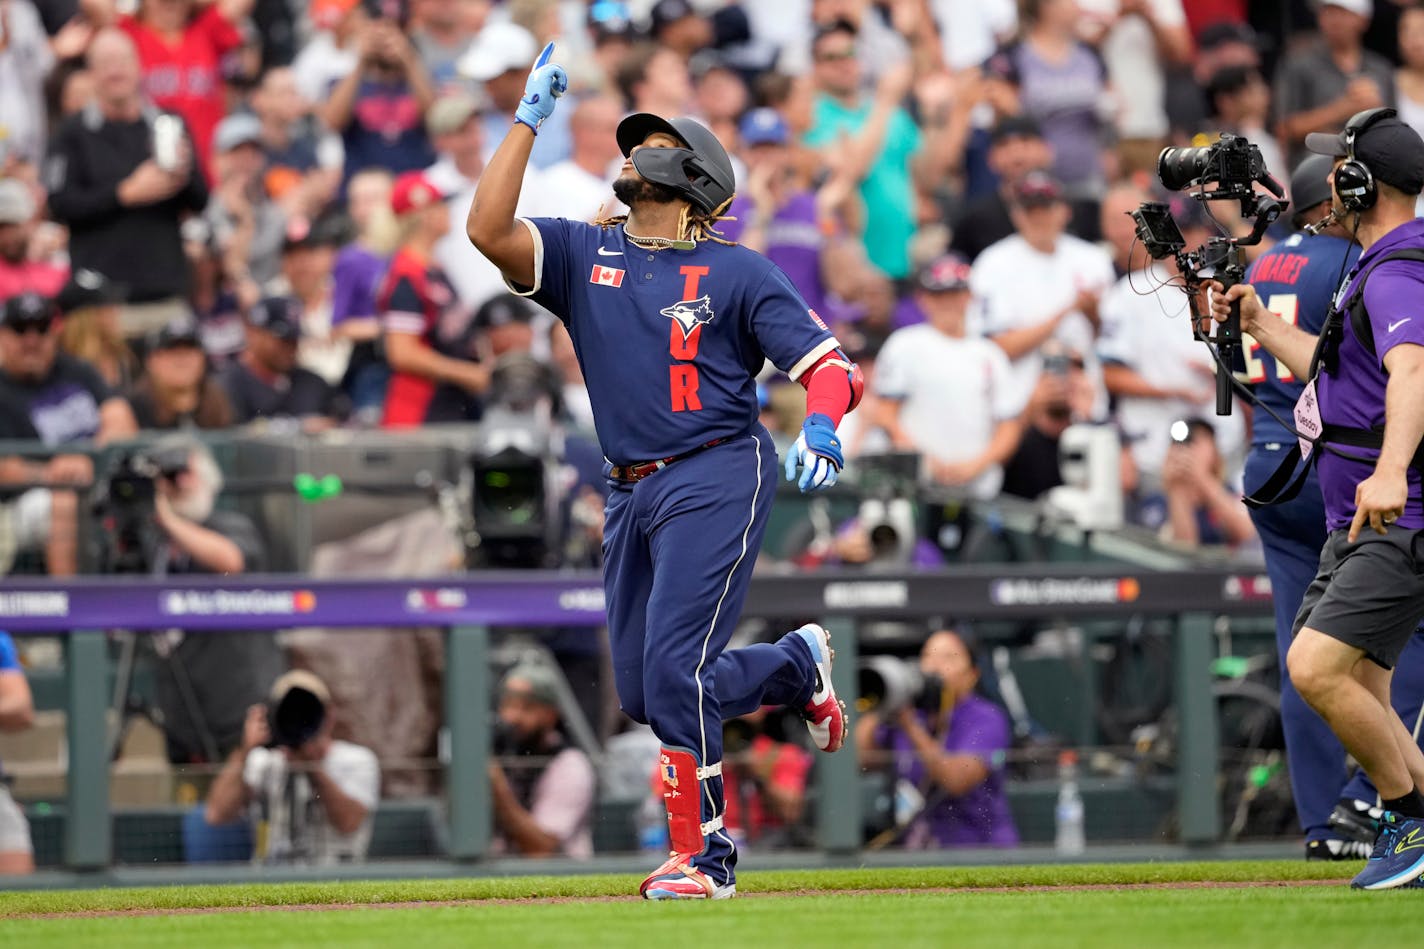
825 714
678 879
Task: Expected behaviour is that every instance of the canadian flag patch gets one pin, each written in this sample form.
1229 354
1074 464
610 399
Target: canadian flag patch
607 276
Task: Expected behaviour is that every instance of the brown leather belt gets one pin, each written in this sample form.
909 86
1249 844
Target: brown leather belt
628 474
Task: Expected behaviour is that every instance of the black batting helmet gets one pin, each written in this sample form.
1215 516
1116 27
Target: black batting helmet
701 172
1310 183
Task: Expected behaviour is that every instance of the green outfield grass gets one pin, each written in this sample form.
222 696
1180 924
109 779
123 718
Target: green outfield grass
813 909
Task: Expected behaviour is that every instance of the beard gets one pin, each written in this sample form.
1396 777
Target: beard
634 190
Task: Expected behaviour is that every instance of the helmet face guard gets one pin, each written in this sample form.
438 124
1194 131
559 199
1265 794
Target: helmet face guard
681 169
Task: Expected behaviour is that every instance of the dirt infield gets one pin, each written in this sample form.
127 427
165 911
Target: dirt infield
632 898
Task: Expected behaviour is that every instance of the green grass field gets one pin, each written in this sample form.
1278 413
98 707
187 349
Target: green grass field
865 908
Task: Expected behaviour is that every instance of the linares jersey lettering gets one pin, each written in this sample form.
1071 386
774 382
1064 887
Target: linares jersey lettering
669 340
1296 280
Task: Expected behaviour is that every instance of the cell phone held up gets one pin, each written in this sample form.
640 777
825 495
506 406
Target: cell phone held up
168 135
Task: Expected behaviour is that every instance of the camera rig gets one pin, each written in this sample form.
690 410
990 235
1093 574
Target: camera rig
1235 166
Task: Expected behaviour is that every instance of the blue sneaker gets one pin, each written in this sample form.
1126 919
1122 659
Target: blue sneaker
1398 857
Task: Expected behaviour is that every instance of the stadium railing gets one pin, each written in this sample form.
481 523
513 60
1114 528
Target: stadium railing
468 605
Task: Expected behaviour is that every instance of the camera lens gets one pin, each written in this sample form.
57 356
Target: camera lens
1179 167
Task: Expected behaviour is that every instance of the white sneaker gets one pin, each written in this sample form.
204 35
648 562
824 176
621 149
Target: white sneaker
825 715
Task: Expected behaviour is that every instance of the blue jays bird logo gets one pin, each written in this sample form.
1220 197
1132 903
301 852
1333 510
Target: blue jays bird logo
690 314
669 774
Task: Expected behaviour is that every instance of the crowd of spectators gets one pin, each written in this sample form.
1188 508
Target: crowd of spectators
215 212
933 175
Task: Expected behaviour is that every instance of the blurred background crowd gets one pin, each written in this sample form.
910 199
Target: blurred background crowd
933 174
251 213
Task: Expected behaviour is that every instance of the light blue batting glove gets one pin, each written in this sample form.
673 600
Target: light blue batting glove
817 453
547 81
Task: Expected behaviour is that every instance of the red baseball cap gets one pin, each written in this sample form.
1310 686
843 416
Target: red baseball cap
413 191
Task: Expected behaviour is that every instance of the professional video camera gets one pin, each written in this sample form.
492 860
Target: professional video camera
124 508
888 484
887 684
1234 166
515 500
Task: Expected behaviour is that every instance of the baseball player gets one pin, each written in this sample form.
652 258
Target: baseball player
670 323
1297 280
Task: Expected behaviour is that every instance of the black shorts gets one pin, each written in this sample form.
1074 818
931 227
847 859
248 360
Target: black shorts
1369 594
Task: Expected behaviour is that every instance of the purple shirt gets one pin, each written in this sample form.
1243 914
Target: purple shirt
907 313
981 817
793 242
1354 395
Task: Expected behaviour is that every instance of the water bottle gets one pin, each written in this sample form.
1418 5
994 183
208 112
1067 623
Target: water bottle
651 821
1069 837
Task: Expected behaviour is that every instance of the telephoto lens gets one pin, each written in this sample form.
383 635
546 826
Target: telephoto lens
1177 168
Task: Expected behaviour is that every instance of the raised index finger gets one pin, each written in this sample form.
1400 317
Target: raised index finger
545 55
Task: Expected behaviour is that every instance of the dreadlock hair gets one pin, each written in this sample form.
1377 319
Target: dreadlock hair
691 225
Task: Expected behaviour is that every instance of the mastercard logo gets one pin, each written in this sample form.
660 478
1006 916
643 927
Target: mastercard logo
1128 589
303 601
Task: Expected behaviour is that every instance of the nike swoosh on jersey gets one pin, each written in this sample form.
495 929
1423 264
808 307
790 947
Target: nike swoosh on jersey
1398 323
602 252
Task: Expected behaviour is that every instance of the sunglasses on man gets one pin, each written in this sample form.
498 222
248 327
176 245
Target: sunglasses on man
23 327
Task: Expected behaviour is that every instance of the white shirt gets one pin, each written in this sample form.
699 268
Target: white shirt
1151 334
566 190
320 65
472 275
1129 50
1017 286
297 827
970 30
952 393
25 60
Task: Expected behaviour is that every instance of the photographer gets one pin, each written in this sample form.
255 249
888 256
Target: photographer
377 107
205 680
314 794
1368 404
951 755
1200 509
543 786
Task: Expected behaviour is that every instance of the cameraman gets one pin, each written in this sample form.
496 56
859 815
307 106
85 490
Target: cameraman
542 786
314 794
204 681
953 755
1367 597
1201 510
1297 278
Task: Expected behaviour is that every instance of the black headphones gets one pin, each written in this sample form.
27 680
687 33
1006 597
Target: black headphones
1353 181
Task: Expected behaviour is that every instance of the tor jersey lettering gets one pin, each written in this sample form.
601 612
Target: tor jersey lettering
1296 280
670 343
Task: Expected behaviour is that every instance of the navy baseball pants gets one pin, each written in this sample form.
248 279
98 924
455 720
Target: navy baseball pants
679 547
1293 535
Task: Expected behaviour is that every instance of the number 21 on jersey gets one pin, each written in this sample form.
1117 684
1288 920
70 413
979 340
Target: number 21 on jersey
1287 307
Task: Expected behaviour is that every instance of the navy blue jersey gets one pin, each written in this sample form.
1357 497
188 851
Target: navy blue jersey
1296 280
670 340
